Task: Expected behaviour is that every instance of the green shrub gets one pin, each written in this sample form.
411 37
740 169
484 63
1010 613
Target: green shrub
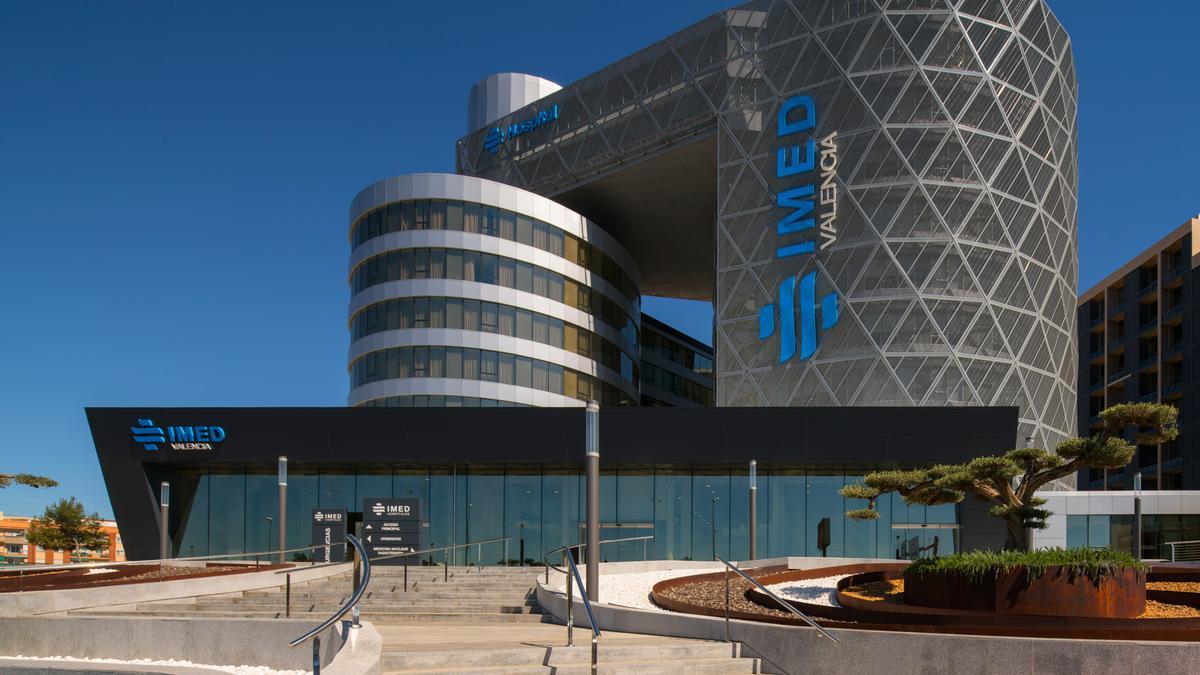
982 565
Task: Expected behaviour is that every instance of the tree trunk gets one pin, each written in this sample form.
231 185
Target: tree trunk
1017 539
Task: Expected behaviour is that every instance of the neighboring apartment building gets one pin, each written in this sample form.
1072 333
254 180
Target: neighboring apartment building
677 370
1137 332
18 551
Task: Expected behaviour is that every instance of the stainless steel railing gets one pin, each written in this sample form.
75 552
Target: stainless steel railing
256 556
572 574
1184 550
782 603
447 550
350 605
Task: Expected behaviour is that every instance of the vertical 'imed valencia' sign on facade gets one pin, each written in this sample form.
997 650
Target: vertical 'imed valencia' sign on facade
796 115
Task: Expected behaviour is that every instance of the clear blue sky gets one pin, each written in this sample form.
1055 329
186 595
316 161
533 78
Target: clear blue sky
174 180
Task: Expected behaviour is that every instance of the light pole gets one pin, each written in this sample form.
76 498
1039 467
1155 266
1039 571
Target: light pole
164 503
592 466
753 508
1137 515
270 521
282 508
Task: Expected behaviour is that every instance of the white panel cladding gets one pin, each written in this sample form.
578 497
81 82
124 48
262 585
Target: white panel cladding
442 386
455 337
491 193
501 94
470 241
473 290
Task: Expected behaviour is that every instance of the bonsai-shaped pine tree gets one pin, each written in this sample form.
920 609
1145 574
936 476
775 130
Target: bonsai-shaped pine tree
991 479
66 526
29 479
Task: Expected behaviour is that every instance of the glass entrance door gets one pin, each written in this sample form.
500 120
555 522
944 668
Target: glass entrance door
924 541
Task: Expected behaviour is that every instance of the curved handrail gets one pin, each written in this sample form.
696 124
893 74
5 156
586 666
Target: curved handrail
776 598
354 598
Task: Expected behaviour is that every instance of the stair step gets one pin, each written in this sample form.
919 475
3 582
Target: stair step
560 656
705 666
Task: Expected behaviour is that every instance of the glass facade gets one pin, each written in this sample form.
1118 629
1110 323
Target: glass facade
1116 532
457 216
688 510
462 363
491 317
486 268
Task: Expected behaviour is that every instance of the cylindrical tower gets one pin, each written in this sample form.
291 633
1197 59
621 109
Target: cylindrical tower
899 226
467 292
500 94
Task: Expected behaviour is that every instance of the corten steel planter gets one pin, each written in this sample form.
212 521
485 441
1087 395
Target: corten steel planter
1057 592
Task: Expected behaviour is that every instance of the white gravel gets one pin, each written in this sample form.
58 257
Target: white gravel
236 670
100 570
820 591
632 589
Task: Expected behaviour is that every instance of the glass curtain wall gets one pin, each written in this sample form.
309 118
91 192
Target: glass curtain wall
219 511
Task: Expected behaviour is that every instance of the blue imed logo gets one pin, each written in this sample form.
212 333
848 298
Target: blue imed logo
494 140
807 320
148 435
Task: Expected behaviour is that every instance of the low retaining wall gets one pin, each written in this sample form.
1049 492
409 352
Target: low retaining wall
218 642
34 603
801 649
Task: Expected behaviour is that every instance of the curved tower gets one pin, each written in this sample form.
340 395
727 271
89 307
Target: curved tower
466 292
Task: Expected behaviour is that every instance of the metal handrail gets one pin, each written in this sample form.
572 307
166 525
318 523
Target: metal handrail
587 605
445 548
116 563
764 589
549 565
572 574
47 569
1194 543
351 603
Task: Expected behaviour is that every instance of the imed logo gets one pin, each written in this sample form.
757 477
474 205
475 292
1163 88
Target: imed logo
148 435
798 162
497 136
807 320
201 437
494 140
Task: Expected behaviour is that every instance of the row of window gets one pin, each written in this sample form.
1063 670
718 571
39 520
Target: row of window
491 317
676 352
439 402
483 365
435 214
486 268
665 380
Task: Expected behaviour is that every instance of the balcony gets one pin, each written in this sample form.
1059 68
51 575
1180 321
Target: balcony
1148 288
1177 271
1173 389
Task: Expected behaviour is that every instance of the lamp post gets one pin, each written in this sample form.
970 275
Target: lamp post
592 468
753 508
282 508
1137 516
164 503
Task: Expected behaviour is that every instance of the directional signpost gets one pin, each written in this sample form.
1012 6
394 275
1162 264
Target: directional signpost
328 530
390 527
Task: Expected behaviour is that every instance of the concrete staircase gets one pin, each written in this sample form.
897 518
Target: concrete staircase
477 595
645 656
461 620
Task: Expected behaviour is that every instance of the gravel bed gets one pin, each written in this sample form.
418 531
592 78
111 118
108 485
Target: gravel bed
1184 586
632 589
712 594
819 591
